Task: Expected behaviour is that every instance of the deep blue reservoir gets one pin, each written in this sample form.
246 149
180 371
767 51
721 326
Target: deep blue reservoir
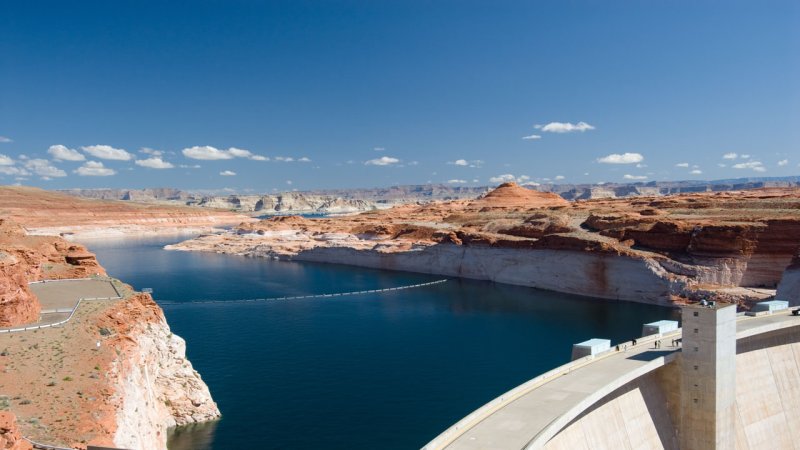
387 371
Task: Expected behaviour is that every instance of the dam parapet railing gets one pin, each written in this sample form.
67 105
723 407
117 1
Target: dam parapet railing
468 422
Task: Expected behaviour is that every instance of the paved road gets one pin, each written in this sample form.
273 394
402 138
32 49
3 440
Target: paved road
537 413
60 297
541 410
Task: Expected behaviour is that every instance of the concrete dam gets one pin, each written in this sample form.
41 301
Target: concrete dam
723 381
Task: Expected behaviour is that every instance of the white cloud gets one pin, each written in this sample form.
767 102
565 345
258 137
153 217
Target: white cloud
783 162
722 165
107 152
12 170
209 153
240 153
456 181
504 178
730 155
44 169
382 161
6 161
682 165
63 153
5 140
413 163
304 159
94 169
154 163
559 177
625 158
564 127
284 158
744 156
379 149
187 166
475 163
507 177
150 151
289 182
531 137
754 165
641 166
634 177
696 172
228 173
206 152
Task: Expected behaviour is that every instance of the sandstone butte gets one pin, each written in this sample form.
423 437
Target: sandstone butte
733 246
57 385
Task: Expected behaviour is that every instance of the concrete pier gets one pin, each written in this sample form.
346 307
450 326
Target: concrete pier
708 377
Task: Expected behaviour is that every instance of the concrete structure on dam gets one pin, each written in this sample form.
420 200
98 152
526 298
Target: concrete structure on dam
723 381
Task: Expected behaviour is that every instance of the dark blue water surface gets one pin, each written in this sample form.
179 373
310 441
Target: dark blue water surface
387 371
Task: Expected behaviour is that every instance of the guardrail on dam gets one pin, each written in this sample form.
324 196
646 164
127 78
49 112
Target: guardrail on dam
723 381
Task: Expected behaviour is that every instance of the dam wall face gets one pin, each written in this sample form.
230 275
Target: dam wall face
646 413
634 416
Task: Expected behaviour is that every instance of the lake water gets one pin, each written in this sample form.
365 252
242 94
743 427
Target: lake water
387 371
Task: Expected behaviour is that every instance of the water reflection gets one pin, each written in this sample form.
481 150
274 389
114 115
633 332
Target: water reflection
192 437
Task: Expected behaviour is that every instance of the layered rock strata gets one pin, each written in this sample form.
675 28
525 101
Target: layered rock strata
115 375
656 250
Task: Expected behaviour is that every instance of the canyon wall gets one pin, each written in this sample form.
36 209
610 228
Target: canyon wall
600 275
156 386
141 382
289 202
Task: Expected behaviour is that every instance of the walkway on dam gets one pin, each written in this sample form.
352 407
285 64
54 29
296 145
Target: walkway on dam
537 407
531 414
59 299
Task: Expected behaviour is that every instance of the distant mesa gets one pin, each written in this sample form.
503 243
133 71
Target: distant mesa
513 195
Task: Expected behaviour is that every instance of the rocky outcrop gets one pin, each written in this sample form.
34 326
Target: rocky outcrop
290 202
734 246
10 437
26 258
156 386
141 382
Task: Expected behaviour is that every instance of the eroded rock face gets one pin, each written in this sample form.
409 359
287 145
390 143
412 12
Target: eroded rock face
10 437
156 386
26 258
685 246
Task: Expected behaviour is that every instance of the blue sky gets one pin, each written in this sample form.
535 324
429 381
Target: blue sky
334 94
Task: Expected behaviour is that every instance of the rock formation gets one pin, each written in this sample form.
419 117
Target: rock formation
26 258
53 213
10 437
736 246
113 376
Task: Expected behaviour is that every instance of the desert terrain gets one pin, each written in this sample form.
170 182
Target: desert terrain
736 246
53 213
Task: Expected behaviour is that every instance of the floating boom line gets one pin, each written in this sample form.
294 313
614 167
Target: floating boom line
298 297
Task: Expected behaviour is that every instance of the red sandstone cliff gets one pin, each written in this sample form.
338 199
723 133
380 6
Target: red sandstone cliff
26 258
684 245
10 437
